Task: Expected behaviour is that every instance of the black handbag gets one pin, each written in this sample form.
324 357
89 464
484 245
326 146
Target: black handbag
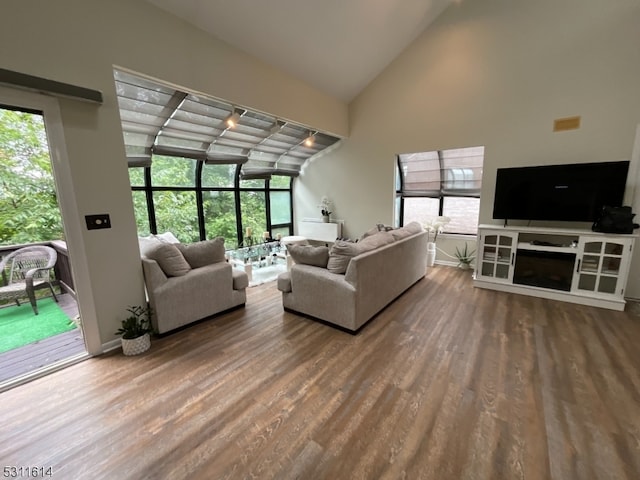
615 220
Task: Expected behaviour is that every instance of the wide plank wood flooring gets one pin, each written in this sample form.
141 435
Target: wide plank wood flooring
448 382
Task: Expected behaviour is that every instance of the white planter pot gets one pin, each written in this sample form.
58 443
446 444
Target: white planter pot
136 346
431 254
325 218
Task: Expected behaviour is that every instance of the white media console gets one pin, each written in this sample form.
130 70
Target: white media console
578 266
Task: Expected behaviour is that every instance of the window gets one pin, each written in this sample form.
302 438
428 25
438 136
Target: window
443 182
196 200
219 209
194 175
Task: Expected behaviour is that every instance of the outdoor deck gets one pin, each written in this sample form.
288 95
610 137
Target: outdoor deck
19 361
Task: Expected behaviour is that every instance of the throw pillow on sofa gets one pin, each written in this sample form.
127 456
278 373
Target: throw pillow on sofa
206 252
146 244
368 233
309 255
414 227
342 252
169 259
340 255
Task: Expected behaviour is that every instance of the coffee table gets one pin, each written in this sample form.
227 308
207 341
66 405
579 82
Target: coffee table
258 255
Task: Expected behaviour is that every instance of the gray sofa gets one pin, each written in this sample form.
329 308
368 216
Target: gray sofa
186 283
372 280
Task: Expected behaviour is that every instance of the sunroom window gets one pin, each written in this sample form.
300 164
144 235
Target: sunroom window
193 174
440 183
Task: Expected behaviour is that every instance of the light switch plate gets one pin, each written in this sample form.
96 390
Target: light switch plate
95 222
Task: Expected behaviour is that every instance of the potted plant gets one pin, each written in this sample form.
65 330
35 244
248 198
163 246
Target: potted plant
135 331
465 257
434 226
325 208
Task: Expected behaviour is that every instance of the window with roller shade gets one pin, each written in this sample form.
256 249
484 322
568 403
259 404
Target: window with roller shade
440 183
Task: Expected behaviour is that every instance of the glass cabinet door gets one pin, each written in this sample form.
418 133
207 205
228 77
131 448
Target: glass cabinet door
496 258
599 269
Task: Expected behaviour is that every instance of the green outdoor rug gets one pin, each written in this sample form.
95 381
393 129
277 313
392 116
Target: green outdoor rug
19 326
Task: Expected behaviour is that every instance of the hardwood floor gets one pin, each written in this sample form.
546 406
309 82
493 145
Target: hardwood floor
448 382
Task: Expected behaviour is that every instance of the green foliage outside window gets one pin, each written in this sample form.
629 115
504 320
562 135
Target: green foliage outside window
29 209
280 181
136 177
140 209
254 214
176 212
218 175
173 181
173 172
220 216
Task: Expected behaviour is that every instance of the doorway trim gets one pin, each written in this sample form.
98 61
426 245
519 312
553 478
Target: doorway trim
50 108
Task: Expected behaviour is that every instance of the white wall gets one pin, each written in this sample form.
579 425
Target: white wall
633 287
79 42
494 73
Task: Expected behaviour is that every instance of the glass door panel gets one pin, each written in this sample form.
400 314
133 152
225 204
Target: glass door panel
504 255
506 240
593 247
587 282
497 252
611 265
607 284
489 253
590 263
613 249
502 271
601 266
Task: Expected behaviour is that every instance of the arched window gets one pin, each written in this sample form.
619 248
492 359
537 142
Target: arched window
440 183
201 167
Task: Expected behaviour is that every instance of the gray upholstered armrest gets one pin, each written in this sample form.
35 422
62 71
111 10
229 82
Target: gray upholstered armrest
153 274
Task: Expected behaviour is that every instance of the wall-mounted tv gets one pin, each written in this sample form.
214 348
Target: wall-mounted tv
572 192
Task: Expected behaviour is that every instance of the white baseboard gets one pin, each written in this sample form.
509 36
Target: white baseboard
111 345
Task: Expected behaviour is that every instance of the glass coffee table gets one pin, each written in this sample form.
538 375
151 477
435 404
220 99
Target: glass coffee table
257 256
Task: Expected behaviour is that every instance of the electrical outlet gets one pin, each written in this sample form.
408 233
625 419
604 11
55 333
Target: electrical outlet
94 222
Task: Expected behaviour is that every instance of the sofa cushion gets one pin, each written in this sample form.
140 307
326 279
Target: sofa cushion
414 227
340 255
375 241
146 244
400 233
342 252
309 255
203 253
169 259
166 237
370 232
380 227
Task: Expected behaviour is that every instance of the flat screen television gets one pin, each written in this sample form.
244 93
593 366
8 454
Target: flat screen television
572 192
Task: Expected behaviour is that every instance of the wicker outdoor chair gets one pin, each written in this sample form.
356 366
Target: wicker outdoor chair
26 270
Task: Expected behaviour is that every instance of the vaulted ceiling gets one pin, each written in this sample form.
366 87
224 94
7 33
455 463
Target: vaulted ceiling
337 46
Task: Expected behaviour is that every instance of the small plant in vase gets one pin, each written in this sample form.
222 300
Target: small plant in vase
135 331
325 208
465 257
435 227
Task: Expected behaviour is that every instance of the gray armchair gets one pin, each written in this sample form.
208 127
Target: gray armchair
26 270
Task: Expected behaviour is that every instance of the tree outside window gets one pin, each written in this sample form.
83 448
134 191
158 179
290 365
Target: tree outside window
29 210
197 200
